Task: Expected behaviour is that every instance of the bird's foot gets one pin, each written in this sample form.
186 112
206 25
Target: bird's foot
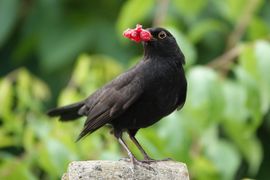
146 160
166 159
141 163
149 160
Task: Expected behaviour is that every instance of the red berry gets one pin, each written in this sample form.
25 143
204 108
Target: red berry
145 35
138 34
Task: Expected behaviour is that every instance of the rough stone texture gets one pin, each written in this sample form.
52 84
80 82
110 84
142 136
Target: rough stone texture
118 170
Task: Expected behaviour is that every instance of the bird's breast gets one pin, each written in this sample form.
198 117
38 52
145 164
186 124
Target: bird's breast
168 85
163 90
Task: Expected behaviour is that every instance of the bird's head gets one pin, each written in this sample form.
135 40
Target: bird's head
156 41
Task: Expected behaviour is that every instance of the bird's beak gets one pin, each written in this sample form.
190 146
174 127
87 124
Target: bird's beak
153 38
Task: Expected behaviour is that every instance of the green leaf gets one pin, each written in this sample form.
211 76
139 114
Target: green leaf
257 29
203 168
59 45
248 61
54 157
225 157
199 30
177 134
68 96
6 98
204 96
240 124
15 169
29 138
23 87
255 105
30 90
190 9
262 54
253 153
235 102
255 61
81 70
221 152
40 90
8 17
133 12
232 10
5 139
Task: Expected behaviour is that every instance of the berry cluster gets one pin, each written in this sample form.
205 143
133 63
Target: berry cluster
138 34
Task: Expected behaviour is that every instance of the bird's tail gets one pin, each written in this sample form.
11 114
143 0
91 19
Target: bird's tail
67 113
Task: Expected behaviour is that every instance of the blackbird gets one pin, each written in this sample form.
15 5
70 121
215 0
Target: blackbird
141 96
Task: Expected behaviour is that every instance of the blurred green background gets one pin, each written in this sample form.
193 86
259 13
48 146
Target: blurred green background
55 52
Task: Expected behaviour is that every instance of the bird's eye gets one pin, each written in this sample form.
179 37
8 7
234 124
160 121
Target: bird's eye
162 35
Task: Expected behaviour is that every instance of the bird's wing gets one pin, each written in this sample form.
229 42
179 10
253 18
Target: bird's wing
110 101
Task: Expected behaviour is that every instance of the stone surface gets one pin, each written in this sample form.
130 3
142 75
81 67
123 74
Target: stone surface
118 170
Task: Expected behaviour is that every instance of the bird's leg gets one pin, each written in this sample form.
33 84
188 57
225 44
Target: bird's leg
118 135
145 155
147 158
131 156
135 141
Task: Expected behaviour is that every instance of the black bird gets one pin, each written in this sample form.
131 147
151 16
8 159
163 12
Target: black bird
138 98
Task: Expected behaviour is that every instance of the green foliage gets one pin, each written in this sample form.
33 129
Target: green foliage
132 12
45 147
58 52
190 9
8 17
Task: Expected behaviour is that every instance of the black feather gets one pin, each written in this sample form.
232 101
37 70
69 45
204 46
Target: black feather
67 113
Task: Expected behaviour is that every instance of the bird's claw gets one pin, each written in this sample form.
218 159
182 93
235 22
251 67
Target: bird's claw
142 163
167 159
150 160
125 159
